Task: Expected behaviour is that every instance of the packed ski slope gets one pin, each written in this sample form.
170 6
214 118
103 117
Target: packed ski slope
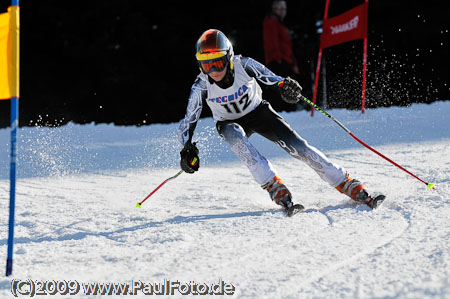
76 215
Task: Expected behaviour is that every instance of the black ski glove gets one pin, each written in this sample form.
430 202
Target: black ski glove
190 162
290 90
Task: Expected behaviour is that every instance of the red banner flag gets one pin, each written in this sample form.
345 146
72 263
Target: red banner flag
346 27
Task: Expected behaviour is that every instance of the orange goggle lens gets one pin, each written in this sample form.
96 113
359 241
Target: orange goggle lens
213 65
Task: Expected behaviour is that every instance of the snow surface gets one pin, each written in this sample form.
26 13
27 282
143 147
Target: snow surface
78 185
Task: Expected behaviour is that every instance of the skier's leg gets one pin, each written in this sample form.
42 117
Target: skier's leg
235 136
259 166
299 148
281 133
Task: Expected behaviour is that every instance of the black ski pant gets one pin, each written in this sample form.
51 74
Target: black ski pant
264 120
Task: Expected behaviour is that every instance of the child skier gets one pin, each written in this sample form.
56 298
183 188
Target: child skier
229 84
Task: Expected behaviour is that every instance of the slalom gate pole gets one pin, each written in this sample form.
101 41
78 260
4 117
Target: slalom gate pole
429 185
139 204
14 77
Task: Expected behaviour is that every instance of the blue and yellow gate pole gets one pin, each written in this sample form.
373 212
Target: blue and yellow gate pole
15 46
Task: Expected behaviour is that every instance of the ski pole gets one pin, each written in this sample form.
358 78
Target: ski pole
139 204
429 185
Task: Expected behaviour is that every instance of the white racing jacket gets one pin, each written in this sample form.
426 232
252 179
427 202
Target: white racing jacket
230 103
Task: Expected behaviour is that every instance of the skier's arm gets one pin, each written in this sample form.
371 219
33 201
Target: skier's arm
288 88
260 72
193 111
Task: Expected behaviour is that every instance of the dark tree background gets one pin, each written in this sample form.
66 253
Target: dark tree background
131 62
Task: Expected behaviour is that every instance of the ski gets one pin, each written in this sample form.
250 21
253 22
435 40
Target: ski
294 210
376 202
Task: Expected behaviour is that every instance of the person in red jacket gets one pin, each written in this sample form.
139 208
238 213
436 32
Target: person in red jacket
278 49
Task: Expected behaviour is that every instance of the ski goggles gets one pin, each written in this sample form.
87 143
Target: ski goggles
213 65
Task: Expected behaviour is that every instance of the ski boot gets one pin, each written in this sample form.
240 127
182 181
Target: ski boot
358 192
280 194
